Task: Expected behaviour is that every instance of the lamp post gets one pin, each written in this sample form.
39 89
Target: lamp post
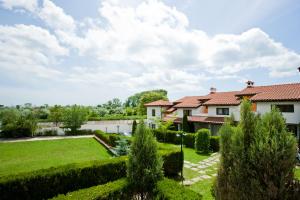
182 156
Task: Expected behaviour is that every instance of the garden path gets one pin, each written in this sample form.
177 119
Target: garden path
206 169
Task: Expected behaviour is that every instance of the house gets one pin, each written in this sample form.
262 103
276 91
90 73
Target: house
209 111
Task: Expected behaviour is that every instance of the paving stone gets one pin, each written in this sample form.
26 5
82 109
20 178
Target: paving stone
187 182
187 166
197 179
193 168
214 175
201 172
205 176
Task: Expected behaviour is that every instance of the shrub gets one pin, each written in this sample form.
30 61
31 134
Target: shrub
47 183
48 132
202 140
111 190
214 143
122 148
144 166
166 189
134 124
80 132
185 124
257 158
170 190
189 140
173 161
167 136
108 138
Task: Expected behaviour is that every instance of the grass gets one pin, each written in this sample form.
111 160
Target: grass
191 155
28 156
204 188
189 174
297 173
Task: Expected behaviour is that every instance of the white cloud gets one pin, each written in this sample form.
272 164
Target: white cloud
55 17
29 5
30 50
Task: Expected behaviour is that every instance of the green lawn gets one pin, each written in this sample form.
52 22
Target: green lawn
192 156
28 156
297 173
204 188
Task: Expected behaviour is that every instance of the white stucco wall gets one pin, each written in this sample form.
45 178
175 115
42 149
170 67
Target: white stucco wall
291 118
195 111
235 110
158 114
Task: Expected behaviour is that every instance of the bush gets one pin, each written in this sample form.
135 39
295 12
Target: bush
167 136
144 166
108 138
111 190
80 132
173 162
170 190
202 140
214 143
189 140
47 183
166 189
47 132
257 158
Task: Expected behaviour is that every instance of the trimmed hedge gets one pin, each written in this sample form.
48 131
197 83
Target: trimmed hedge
214 143
108 138
166 189
80 132
112 190
170 190
47 183
202 140
188 139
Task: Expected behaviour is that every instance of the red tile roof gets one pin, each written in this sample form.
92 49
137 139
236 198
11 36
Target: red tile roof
222 98
188 102
213 120
160 103
285 92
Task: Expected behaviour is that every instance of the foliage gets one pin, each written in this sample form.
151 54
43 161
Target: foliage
150 97
48 132
80 132
170 190
185 124
16 123
74 117
47 183
202 140
257 158
108 138
112 190
122 148
134 100
144 167
167 136
117 117
134 124
214 143
166 189
189 140
173 161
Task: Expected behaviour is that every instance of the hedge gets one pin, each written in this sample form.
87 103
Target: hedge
47 183
112 190
166 189
170 190
202 140
118 117
109 139
188 139
80 132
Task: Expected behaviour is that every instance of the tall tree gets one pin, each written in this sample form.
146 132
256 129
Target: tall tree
56 114
257 158
74 117
147 98
185 124
144 167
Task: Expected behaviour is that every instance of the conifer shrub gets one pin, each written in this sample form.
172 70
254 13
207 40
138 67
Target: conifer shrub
144 166
202 140
257 158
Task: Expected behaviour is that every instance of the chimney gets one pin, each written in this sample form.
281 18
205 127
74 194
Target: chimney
299 69
250 84
213 90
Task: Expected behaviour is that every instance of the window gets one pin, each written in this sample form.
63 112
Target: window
285 108
153 126
222 111
205 110
187 112
153 112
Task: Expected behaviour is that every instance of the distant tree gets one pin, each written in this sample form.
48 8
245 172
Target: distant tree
122 147
185 124
147 98
56 114
18 124
134 124
134 100
144 167
74 117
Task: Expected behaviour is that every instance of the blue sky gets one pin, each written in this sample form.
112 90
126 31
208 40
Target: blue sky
58 52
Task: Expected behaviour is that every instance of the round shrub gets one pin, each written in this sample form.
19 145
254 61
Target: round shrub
202 140
214 143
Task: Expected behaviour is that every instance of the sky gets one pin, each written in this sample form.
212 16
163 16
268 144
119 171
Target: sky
88 52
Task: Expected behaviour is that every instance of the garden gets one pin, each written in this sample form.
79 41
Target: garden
149 164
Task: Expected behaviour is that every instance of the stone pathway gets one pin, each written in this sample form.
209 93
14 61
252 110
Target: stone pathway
201 168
